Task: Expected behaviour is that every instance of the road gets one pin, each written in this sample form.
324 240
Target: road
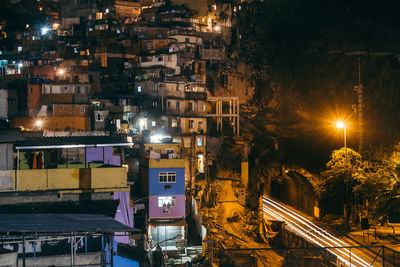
300 225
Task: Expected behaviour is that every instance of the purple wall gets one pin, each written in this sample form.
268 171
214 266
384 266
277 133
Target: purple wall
175 212
96 154
123 215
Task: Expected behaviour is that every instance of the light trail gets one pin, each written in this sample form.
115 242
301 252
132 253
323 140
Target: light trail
311 232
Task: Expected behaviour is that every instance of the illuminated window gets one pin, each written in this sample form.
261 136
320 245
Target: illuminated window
174 123
187 142
165 201
139 89
153 123
167 177
199 141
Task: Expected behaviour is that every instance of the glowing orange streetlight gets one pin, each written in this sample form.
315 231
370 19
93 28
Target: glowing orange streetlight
38 123
60 71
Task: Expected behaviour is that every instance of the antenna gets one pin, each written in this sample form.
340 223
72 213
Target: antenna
360 108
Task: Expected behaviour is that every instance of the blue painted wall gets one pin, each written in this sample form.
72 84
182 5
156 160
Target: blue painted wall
124 262
157 188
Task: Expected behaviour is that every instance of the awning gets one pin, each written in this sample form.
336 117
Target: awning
60 223
71 142
158 222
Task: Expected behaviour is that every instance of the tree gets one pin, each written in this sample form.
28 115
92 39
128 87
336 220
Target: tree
387 201
339 179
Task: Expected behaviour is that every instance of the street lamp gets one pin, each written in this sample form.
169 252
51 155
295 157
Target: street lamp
38 123
340 125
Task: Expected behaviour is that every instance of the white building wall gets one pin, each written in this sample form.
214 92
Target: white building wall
169 61
67 89
188 39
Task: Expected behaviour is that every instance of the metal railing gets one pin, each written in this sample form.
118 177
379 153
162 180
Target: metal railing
57 250
310 256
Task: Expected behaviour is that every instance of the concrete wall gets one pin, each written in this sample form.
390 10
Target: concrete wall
53 123
185 125
64 260
9 259
70 110
67 89
103 154
6 180
6 157
157 188
127 9
3 104
34 98
169 61
167 163
192 39
108 177
56 179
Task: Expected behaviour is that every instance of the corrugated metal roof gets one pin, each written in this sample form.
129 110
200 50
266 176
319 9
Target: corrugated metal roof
10 138
60 223
71 142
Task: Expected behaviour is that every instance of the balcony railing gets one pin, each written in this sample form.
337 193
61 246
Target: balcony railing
196 95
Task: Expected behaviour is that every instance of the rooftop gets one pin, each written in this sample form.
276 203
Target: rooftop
71 142
60 223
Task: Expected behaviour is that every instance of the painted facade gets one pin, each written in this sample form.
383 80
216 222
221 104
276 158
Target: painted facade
166 192
103 154
165 177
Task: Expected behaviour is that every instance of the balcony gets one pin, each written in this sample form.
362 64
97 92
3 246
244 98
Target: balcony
196 95
84 179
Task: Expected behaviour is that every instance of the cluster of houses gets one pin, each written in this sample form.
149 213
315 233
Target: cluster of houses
105 107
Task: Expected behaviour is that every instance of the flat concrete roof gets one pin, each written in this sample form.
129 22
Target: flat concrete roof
71 142
60 223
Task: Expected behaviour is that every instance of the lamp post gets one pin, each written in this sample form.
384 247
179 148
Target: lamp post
340 125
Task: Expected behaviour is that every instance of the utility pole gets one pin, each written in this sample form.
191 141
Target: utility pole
360 110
